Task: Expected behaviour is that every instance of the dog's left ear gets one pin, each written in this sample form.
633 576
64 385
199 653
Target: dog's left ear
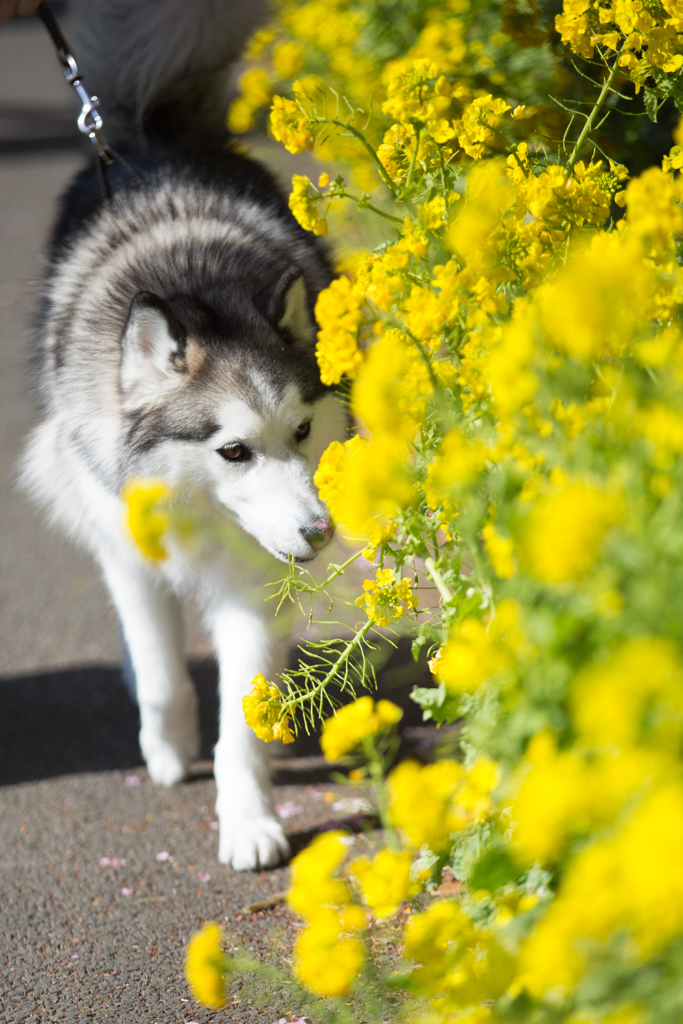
287 306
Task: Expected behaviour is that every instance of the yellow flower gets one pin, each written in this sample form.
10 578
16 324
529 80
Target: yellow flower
585 310
384 881
476 130
457 465
458 964
326 960
313 890
304 206
561 538
629 882
289 125
256 93
263 712
428 804
339 314
365 484
420 92
641 682
476 651
384 599
392 387
205 966
351 724
500 551
147 515
288 59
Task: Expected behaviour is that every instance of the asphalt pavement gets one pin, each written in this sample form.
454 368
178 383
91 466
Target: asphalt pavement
103 876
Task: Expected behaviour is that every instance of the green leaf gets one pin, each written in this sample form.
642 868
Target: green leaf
417 644
494 870
651 101
436 704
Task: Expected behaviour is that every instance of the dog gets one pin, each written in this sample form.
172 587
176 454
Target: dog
176 340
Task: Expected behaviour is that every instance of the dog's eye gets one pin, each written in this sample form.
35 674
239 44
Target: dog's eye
235 452
303 430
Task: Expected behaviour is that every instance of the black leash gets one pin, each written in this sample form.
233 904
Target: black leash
89 120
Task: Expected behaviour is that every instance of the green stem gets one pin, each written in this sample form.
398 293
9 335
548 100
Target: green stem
364 142
438 580
425 358
413 159
339 569
369 206
590 120
376 771
324 683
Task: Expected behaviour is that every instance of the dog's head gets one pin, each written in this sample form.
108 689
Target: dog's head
223 393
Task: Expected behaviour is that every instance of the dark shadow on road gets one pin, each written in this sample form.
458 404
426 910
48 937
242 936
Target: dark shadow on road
83 720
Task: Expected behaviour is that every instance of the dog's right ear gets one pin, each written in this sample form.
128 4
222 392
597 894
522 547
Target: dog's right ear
152 344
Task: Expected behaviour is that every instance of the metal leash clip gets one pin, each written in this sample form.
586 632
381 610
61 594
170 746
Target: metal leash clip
89 120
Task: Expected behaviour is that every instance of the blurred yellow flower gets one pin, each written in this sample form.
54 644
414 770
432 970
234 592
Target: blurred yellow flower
561 538
147 515
384 881
205 966
350 725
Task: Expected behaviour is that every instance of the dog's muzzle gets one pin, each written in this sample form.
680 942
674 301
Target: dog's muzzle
318 534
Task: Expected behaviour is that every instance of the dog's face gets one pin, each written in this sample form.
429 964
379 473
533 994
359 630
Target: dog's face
230 401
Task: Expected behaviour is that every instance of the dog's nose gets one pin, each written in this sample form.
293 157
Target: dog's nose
318 533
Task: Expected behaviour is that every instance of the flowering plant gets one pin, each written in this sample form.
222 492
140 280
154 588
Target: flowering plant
514 352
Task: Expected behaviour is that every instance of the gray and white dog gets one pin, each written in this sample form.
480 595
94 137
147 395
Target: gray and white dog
177 341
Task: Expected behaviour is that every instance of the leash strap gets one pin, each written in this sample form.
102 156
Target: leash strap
89 120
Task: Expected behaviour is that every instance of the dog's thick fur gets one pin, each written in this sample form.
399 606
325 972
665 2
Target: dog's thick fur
177 341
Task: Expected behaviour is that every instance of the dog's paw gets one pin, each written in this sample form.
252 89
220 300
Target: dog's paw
252 843
166 765
170 739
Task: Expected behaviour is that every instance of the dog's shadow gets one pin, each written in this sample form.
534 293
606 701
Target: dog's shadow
84 720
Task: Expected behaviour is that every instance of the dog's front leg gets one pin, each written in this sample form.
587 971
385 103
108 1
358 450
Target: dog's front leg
250 834
152 625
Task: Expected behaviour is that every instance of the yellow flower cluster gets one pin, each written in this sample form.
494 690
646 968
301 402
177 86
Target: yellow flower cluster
147 515
647 36
458 964
304 206
263 712
205 966
385 881
513 354
386 599
354 723
477 651
560 540
339 315
289 125
328 953
430 803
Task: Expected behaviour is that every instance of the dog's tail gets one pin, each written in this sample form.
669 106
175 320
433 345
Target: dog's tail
161 67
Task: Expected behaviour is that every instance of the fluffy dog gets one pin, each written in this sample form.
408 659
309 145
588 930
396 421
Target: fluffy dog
177 341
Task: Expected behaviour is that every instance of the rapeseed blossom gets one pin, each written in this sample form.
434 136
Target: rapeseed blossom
386 599
385 881
428 804
205 966
263 712
512 352
147 516
353 723
561 538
